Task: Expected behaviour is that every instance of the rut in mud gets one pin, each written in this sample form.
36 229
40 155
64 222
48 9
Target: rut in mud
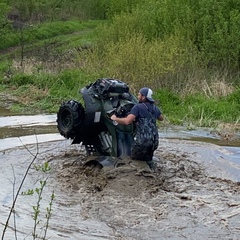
180 200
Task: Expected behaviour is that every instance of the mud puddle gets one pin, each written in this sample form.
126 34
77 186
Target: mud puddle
17 130
189 196
193 194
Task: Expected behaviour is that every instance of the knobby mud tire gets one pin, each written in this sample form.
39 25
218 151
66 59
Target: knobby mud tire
70 118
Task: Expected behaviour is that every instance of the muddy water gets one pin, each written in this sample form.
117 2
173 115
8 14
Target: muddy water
193 194
20 130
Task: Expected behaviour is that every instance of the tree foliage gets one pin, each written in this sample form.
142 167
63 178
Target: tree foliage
173 36
4 8
212 26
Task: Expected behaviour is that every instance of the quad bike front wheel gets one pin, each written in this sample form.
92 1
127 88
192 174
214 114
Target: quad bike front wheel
70 118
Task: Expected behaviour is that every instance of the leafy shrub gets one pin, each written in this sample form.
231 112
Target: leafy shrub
136 60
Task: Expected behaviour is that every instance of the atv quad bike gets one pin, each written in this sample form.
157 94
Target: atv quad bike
104 140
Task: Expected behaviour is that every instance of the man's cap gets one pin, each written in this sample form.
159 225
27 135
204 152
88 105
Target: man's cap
147 92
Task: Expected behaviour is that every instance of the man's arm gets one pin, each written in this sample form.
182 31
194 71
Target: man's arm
125 121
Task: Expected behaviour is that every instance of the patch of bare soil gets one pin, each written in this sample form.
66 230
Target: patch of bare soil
179 200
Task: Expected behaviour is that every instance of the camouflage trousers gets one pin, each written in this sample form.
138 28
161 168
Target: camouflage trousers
142 153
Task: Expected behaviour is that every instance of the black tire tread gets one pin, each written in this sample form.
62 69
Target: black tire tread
76 112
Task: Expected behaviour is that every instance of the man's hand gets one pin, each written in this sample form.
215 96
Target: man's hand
125 121
113 117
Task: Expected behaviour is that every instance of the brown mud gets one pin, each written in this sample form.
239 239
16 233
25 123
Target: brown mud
191 194
180 200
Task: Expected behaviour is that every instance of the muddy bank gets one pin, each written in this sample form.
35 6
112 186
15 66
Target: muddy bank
192 194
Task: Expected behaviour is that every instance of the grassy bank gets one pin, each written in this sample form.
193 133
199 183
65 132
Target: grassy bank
45 92
60 58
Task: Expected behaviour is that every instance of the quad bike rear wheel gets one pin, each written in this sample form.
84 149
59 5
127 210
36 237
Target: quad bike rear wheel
70 118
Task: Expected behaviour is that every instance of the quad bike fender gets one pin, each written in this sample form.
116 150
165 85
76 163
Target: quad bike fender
101 161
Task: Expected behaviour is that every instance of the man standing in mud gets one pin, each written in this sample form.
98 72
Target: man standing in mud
145 113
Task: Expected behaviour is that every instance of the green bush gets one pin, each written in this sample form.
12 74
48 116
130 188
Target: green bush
209 30
136 60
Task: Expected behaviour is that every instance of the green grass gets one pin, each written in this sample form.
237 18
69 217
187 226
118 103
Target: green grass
45 93
42 87
199 109
46 31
